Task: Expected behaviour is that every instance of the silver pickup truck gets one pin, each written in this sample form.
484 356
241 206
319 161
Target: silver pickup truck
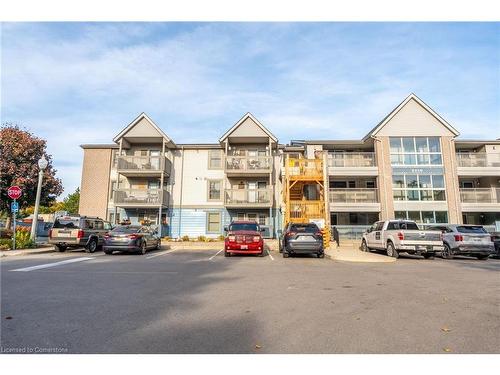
402 236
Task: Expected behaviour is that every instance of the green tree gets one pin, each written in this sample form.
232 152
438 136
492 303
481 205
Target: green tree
72 202
20 151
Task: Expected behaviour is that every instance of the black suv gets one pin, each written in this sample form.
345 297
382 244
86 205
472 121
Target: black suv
78 231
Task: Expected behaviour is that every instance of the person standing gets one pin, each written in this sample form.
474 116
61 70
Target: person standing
336 236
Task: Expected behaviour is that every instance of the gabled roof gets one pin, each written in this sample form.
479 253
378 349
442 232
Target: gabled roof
241 121
391 114
136 121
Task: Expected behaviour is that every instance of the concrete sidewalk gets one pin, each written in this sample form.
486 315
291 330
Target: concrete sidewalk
349 252
39 250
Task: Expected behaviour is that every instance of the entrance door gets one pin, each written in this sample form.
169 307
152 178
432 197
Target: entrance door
155 159
252 193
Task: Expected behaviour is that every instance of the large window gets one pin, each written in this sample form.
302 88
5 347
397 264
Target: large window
214 159
418 187
426 217
213 222
214 190
415 151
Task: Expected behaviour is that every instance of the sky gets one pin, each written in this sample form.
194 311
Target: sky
78 83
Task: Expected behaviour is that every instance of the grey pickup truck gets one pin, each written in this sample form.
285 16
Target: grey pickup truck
398 236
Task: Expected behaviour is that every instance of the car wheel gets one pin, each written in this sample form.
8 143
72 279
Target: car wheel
364 246
143 248
108 252
391 251
428 256
227 254
446 253
61 248
158 245
321 255
92 246
285 254
482 256
261 254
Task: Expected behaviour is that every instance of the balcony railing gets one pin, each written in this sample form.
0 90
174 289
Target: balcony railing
353 195
478 159
351 159
248 197
248 164
305 168
305 210
480 195
140 197
143 164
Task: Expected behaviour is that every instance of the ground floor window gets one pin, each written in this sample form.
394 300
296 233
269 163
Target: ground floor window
260 218
213 222
423 216
353 218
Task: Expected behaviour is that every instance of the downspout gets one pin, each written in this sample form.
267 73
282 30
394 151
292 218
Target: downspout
378 185
182 180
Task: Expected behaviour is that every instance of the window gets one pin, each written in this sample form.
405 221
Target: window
370 184
214 159
416 187
352 184
214 190
213 222
427 217
415 151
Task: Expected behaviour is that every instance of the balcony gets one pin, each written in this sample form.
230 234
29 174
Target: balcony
352 164
305 169
248 198
304 210
136 166
478 164
348 200
248 165
480 199
140 197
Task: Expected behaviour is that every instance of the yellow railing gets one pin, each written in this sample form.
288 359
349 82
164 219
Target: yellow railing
304 210
305 168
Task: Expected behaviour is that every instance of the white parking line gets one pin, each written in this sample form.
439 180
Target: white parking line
268 253
48 265
218 252
158 254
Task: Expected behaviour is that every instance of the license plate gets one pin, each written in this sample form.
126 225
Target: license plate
63 234
476 239
305 238
423 247
244 247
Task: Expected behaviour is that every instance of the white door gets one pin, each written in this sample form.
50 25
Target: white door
252 193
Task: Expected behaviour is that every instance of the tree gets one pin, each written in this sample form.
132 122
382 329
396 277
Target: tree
20 151
72 202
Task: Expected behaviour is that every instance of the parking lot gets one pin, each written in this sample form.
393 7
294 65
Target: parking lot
198 301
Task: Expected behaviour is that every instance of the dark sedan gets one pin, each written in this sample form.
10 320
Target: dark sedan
301 239
131 239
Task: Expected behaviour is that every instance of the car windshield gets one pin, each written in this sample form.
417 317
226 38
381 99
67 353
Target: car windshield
244 226
126 229
471 229
308 228
67 223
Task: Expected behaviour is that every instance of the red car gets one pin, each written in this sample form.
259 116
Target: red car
243 237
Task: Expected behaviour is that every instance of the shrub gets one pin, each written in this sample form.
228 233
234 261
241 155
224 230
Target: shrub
185 238
5 233
221 237
167 238
202 238
5 244
23 239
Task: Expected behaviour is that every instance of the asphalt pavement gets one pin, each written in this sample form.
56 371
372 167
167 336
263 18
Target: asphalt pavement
198 301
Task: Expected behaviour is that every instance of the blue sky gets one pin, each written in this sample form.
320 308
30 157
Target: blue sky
75 83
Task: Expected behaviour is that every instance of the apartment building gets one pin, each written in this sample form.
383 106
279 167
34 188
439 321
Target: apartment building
185 189
410 165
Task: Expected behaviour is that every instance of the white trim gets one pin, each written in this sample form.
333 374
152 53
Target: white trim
135 121
374 131
248 115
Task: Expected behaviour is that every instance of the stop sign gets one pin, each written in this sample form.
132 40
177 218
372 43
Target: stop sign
14 192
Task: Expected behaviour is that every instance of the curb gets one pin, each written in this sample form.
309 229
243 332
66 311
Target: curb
5 253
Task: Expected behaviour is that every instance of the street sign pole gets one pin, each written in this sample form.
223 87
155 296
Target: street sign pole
14 212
